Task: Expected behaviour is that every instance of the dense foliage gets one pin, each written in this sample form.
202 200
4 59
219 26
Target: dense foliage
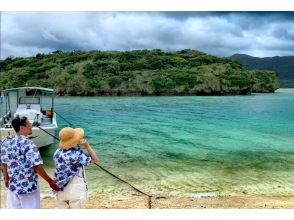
283 65
138 72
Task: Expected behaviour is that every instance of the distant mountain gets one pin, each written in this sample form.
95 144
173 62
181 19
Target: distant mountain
284 65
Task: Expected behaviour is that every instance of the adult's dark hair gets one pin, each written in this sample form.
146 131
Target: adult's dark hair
17 122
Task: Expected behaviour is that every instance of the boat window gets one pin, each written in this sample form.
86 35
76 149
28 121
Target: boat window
29 100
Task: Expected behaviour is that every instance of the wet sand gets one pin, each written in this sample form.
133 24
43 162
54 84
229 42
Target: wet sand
141 202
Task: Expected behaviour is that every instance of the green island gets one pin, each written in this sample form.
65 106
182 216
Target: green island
135 73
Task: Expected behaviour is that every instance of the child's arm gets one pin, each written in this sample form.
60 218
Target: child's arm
93 155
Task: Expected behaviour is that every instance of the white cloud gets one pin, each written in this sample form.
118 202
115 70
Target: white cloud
218 33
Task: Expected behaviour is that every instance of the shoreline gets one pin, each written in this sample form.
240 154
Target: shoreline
144 94
140 202
99 201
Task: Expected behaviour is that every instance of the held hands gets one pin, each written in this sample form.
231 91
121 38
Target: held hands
53 185
6 182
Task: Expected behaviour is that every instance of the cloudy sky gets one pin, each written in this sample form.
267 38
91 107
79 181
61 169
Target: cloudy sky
261 34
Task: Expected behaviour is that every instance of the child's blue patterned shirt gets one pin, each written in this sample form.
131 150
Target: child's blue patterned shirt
68 163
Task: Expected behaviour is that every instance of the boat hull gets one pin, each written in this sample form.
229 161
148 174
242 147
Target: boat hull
38 136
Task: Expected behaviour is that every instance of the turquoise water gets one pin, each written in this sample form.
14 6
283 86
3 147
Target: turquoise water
179 146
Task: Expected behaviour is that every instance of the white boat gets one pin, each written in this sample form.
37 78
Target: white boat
37 104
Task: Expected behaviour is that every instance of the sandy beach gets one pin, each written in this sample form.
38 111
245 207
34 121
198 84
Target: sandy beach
141 202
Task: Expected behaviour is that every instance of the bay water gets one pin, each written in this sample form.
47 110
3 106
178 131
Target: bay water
186 145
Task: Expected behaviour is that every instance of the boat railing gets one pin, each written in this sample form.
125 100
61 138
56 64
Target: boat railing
1 122
5 120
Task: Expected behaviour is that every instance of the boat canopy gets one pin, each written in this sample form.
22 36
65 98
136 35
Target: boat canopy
47 90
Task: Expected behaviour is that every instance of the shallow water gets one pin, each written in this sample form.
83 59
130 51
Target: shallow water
181 146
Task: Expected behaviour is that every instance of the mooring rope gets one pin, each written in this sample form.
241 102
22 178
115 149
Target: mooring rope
70 124
149 197
107 171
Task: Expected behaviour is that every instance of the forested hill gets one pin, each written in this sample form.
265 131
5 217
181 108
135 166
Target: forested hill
138 72
284 65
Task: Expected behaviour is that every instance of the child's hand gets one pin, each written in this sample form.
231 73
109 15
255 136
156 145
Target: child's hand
84 142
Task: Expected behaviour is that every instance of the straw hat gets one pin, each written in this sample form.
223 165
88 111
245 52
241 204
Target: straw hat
70 137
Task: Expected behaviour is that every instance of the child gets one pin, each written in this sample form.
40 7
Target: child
69 172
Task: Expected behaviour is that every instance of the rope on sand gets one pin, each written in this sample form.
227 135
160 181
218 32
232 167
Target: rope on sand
149 197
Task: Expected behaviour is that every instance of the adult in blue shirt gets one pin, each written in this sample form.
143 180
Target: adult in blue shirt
21 164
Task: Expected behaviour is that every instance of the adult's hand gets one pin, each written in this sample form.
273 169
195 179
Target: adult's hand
5 174
54 186
6 182
40 170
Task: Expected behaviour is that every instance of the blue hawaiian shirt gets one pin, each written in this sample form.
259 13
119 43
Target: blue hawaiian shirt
68 164
21 155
